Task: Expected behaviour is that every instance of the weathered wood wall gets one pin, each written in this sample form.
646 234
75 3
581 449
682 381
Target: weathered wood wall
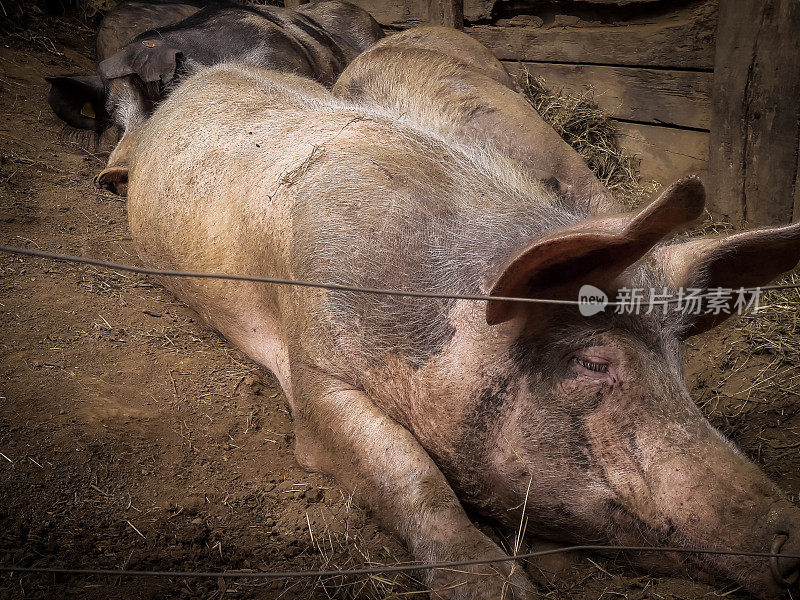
755 128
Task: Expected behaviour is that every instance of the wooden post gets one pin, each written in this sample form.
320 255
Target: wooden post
449 13
755 134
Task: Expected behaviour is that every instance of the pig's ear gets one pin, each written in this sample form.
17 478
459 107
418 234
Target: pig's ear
79 100
594 251
747 259
152 60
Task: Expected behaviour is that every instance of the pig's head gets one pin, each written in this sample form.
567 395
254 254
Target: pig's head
125 91
78 100
596 411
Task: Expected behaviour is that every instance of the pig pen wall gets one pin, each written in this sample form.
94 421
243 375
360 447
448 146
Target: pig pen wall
708 87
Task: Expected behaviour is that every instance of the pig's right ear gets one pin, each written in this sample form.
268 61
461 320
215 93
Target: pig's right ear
79 100
747 259
151 60
592 252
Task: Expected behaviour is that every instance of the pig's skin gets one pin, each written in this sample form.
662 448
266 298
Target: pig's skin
447 82
412 403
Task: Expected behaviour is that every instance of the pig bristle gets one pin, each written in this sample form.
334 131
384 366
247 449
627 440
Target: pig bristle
85 139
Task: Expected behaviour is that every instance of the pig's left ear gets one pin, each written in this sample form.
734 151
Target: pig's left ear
151 60
747 259
594 251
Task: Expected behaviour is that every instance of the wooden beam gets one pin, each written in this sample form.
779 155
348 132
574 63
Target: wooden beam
796 216
755 133
653 96
475 10
680 40
400 14
449 13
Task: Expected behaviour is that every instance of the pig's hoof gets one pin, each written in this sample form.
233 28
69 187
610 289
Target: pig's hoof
547 569
114 179
495 581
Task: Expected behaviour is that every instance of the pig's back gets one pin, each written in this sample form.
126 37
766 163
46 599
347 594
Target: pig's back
268 175
128 19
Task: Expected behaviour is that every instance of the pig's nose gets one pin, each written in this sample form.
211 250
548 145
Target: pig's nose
785 571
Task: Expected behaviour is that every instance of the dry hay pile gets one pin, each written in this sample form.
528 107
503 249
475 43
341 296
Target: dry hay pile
592 133
775 331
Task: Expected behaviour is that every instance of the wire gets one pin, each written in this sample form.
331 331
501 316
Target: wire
345 288
386 569
274 280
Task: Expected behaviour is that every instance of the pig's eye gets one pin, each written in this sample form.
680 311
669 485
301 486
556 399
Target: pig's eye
592 366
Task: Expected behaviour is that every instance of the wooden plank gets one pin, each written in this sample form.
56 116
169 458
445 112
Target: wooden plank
736 39
476 10
681 39
796 215
399 14
666 154
617 2
448 13
645 95
754 126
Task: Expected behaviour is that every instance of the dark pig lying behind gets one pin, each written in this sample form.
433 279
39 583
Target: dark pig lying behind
80 100
317 40
418 405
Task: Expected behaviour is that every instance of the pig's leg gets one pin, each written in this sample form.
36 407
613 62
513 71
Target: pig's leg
341 432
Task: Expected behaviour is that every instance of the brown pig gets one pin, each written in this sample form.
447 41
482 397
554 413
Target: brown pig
422 405
449 82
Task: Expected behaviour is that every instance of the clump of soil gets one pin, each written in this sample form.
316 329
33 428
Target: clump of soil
132 437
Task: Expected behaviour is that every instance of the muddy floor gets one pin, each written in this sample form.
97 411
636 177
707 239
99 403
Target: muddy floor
133 437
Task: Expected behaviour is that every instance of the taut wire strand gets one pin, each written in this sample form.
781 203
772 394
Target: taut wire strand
329 286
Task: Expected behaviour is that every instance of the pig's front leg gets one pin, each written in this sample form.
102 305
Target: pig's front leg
340 431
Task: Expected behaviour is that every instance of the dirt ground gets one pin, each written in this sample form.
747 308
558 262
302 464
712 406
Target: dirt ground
133 437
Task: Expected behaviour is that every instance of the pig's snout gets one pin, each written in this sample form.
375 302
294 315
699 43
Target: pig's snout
780 532
785 571
713 497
